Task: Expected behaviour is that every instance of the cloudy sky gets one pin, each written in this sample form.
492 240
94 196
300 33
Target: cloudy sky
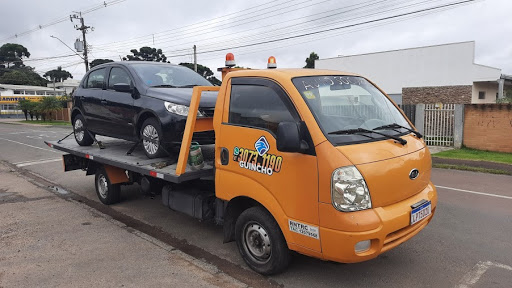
254 30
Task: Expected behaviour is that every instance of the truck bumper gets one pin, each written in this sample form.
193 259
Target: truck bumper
390 226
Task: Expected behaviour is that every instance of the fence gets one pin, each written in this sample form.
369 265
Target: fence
439 124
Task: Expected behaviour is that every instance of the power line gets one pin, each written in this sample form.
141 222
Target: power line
38 59
330 29
60 20
199 24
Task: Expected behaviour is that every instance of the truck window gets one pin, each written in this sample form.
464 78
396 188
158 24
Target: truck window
118 76
96 79
259 107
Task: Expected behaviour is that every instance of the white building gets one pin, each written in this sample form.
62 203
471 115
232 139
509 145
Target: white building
441 73
68 85
11 94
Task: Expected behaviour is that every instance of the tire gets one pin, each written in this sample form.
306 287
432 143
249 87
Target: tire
82 136
261 242
151 136
107 193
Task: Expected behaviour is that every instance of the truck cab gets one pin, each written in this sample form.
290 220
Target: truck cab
327 156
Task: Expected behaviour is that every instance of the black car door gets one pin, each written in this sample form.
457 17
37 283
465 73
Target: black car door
91 96
120 105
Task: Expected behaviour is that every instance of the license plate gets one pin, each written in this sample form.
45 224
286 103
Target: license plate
420 211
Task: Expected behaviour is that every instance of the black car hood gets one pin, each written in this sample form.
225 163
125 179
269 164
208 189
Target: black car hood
182 96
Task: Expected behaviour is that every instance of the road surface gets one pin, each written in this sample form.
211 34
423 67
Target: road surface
467 244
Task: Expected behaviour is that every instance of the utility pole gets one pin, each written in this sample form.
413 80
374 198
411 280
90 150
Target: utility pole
84 29
195 59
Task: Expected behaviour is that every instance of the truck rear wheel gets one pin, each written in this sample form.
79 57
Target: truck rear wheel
107 192
261 242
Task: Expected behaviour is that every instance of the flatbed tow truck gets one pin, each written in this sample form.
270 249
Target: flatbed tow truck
282 174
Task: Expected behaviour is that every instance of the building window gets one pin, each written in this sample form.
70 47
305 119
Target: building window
30 92
18 92
40 93
481 95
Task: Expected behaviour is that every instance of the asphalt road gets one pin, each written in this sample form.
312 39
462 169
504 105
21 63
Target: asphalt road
467 244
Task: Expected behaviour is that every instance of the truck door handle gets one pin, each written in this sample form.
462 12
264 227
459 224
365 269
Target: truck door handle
224 156
103 101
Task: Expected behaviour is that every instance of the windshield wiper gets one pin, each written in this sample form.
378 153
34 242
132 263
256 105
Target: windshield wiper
163 86
362 130
187 86
395 125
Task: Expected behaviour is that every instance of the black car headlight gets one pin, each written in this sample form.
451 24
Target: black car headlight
179 109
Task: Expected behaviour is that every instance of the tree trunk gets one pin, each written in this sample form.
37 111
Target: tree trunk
26 114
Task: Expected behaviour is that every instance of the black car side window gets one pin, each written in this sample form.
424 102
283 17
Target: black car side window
259 106
118 76
96 79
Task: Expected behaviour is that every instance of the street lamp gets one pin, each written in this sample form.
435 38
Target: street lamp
67 46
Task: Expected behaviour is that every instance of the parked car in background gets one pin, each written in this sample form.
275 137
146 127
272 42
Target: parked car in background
139 101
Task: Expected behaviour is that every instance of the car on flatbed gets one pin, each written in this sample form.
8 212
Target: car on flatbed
138 101
314 161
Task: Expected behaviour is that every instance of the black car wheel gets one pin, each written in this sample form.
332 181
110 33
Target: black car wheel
107 192
151 135
261 242
82 136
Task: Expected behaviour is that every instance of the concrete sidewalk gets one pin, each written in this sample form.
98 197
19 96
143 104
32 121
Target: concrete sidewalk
47 241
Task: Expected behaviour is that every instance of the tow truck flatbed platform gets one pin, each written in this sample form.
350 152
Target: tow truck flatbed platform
115 155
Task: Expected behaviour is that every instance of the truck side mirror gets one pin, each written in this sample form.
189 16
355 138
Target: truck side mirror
288 137
122 87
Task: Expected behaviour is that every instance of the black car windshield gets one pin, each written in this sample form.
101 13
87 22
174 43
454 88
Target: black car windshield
169 76
342 103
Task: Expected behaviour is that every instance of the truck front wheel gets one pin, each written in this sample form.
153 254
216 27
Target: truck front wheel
108 193
261 242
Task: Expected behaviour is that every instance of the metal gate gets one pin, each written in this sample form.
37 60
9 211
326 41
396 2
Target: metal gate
439 124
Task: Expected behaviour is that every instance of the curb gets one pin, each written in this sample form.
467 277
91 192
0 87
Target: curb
474 163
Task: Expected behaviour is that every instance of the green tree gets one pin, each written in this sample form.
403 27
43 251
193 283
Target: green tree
310 61
97 62
48 105
205 72
146 54
13 53
57 75
22 76
25 106
507 96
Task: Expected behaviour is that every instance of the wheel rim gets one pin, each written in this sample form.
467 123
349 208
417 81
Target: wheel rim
102 186
79 130
150 139
257 242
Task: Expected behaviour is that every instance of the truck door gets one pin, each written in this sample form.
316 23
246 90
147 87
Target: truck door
288 182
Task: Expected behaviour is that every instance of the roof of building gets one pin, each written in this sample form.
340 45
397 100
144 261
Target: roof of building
403 49
26 87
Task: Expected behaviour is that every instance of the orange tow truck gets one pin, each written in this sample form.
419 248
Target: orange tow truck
315 161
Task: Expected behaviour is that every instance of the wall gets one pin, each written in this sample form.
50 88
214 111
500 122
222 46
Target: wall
488 127
490 90
442 94
439 65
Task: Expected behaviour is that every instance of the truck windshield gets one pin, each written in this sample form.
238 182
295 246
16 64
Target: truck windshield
342 103
169 76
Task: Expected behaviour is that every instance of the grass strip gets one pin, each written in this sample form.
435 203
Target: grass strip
471 168
473 154
40 122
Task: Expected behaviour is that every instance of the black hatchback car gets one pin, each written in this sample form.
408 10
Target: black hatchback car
139 101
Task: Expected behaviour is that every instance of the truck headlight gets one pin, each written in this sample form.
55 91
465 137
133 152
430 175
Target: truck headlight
349 191
179 109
